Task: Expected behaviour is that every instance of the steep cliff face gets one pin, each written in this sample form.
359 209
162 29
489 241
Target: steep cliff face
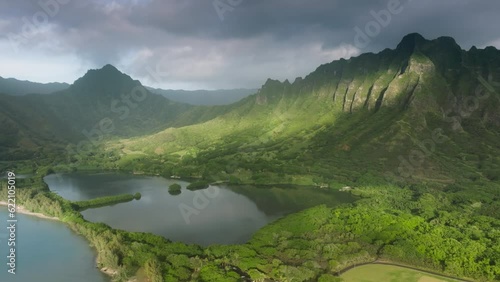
419 76
375 110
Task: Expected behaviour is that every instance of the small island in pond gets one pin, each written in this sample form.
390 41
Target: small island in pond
174 189
198 185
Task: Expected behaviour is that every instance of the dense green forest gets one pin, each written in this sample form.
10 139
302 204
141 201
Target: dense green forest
174 189
106 201
416 225
198 185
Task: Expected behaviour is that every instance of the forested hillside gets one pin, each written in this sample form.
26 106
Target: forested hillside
101 105
426 103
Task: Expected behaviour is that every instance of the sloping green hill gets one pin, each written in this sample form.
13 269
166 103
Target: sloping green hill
424 111
102 104
351 119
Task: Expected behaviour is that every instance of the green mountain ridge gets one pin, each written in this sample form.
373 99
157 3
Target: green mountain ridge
366 112
361 113
101 98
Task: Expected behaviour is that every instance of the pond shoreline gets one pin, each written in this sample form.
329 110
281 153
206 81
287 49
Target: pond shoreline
23 210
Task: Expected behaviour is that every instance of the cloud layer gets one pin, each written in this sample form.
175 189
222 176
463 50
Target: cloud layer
221 43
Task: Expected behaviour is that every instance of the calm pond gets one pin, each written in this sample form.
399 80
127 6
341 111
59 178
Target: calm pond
47 251
217 215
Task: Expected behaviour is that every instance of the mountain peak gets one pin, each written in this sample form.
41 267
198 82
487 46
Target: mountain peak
447 46
108 80
410 41
109 67
447 40
106 70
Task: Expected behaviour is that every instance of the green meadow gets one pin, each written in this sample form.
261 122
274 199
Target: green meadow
389 273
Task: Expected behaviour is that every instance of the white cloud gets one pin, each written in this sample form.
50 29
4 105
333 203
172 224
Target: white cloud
494 43
231 63
38 67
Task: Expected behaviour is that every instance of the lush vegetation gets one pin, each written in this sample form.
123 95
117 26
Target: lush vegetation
106 201
414 225
198 185
413 130
174 189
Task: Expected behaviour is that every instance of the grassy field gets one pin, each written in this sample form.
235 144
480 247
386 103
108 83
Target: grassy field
389 273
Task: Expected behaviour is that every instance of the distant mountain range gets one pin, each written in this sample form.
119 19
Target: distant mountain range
16 87
205 97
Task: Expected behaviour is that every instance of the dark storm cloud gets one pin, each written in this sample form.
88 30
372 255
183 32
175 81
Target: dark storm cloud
243 43
469 22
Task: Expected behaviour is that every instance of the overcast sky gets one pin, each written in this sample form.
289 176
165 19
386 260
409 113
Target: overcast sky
213 44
